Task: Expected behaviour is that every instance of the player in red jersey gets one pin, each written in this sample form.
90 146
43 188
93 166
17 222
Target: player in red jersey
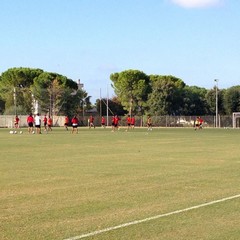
200 123
113 119
49 123
45 122
74 124
30 121
133 122
66 122
128 122
116 122
91 120
16 122
103 122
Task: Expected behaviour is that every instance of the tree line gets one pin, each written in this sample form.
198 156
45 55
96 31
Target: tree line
140 93
55 94
136 93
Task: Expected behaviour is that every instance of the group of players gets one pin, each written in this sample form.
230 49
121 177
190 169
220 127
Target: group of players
35 121
115 123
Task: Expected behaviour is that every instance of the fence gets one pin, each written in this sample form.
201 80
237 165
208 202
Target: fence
7 121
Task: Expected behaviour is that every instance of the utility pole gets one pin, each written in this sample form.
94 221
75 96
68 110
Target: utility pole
216 80
15 100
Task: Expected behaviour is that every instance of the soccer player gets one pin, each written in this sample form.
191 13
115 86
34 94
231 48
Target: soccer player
116 122
128 122
103 122
45 122
113 119
197 124
91 120
16 122
74 124
30 121
200 123
66 122
133 122
149 123
49 123
38 123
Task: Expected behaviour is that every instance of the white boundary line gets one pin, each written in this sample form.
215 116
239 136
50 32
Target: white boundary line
150 218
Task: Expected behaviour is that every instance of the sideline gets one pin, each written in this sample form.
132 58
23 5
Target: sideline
151 218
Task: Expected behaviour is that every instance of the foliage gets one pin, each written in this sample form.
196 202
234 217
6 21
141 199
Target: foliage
132 88
16 82
169 95
232 100
166 97
136 93
194 102
211 101
55 93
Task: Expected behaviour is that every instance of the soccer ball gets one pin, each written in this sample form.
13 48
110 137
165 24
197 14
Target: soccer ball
15 132
33 132
21 132
11 132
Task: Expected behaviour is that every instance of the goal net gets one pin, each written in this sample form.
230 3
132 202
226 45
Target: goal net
235 116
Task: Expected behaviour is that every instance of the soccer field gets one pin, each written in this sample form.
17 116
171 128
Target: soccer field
73 186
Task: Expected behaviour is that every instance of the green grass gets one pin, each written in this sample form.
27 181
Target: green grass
60 185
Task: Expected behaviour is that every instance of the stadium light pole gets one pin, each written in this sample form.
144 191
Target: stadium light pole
216 80
15 100
83 100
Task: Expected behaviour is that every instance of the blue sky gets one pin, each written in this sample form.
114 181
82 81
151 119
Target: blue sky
195 40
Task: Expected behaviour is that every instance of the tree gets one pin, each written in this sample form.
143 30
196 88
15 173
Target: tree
132 89
15 88
166 97
194 102
211 101
52 91
231 100
19 87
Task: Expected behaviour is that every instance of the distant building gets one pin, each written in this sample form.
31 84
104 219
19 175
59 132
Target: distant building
80 85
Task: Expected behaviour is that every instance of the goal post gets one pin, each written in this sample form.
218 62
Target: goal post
235 116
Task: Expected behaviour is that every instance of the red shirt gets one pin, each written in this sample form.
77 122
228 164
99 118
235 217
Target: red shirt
103 120
91 119
66 120
45 119
16 120
133 120
75 120
116 119
30 119
128 120
50 121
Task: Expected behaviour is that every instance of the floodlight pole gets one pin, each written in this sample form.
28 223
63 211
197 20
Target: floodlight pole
107 107
82 102
216 80
15 100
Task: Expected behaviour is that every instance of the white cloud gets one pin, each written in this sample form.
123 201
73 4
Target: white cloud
197 3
